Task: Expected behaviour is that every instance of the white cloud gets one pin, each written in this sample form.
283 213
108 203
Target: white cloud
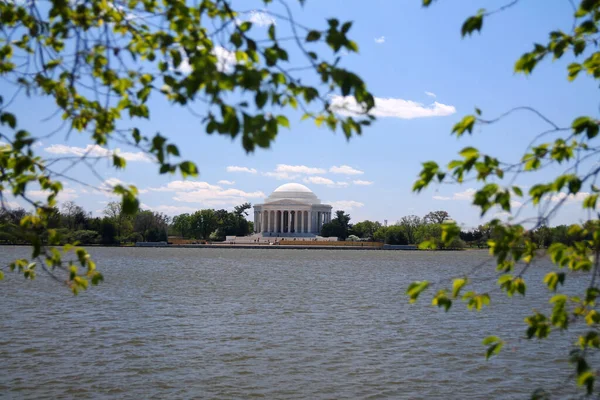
345 169
569 198
466 195
233 168
106 188
390 107
345 204
205 193
226 61
319 180
169 210
64 195
292 172
10 204
281 176
299 169
224 182
218 197
362 183
503 214
182 186
261 18
431 94
93 150
380 40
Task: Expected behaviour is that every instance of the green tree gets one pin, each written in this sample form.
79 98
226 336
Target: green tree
395 235
571 152
203 223
338 226
243 227
209 223
365 229
108 231
436 217
114 211
379 234
74 216
410 224
105 68
151 226
182 225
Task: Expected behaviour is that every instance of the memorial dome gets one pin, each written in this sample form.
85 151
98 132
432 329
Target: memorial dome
294 192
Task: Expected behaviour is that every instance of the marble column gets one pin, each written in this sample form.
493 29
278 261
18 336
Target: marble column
270 213
310 222
265 227
320 220
280 222
296 225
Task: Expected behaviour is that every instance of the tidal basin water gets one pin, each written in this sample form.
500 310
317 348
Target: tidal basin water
285 324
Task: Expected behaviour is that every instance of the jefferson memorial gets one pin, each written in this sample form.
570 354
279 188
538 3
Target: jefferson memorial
291 210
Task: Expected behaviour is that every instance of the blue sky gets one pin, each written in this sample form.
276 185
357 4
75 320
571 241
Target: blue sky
411 58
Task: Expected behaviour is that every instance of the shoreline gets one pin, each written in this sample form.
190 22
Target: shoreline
263 247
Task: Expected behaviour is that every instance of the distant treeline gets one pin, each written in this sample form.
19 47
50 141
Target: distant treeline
72 223
413 229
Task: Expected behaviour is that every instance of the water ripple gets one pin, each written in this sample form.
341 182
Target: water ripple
239 324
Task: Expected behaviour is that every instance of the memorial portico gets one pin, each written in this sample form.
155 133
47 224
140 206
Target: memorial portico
291 210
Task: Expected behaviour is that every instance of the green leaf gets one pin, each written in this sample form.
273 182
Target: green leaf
490 340
469 152
517 191
415 289
493 350
283 121
313 36
457 285
172 149
586 379
119 162
472 24
590 201
8 118
272 32
466 124
495 345
574 70
188 168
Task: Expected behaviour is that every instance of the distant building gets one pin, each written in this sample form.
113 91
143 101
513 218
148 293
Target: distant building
291 210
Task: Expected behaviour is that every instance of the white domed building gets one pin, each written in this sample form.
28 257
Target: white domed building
291 210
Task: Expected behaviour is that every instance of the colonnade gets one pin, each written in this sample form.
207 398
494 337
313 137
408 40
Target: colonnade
290 221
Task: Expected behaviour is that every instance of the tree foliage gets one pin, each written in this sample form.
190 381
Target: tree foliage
436 217
572 150
102 64
395 235
365 229
338 227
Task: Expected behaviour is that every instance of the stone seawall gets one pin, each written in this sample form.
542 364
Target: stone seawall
271 247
